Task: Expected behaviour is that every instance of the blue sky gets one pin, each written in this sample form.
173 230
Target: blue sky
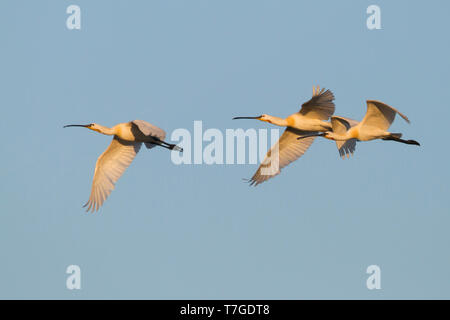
197 231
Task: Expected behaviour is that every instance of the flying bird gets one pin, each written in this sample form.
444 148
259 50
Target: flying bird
305 124
126 143
374 125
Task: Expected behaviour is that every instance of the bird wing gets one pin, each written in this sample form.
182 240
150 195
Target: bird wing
147 129
109 168
320 106
150 130
288 149
340 125
380 115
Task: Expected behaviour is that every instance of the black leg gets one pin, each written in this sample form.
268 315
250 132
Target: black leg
166 145
393 138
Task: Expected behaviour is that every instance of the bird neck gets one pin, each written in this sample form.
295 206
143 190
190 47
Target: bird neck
344 137
105 130
277 121
340 137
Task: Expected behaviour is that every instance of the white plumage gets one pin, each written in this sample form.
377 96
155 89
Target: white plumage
374 125
112 163
309 120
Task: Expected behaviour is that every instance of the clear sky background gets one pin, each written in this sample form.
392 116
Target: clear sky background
198 231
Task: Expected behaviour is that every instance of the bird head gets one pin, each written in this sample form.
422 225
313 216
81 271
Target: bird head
265 118
94 127
328 135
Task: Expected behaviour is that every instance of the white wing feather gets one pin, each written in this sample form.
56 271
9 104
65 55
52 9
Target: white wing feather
380 115
109 168
289 150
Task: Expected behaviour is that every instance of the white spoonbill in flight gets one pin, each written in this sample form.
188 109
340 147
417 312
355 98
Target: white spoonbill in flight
303 124
111 164
374 125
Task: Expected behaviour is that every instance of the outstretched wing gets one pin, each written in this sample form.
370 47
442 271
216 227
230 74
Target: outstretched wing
321 105
340 125
143 130
286 150
109 168
380 115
